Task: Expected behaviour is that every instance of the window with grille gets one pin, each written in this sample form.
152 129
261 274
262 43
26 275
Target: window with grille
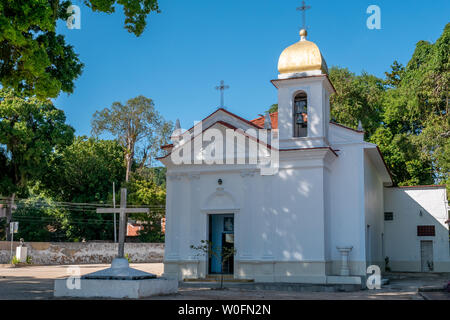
425 231
388 216
300 115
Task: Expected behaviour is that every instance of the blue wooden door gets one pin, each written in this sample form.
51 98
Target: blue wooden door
221 230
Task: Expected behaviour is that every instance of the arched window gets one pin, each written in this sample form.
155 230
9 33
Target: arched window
300 115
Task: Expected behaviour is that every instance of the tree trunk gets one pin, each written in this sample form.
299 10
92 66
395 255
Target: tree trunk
129 158
127 174
9 207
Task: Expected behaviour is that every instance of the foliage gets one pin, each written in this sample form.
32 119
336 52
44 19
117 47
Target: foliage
139 128
415 129
34 60
224 254
158 175
84 173
155 174
40 219
135 11
30 130
422 104
357 98
393 78
378 106
15 260
273 108
147 193
406 114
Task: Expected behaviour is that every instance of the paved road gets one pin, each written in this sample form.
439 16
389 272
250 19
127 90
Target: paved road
36 282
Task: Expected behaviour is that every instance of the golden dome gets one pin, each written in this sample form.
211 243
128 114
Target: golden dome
301 56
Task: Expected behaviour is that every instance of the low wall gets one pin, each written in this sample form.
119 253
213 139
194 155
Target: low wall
48 253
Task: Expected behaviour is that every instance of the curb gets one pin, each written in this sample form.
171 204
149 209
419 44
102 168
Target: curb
432 289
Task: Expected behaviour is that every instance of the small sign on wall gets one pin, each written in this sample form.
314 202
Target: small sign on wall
14 227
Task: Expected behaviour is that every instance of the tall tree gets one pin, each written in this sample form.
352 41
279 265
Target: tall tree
394 77
84 173
145 192
36 61
139 128
358 97
40 219
30 130
418 108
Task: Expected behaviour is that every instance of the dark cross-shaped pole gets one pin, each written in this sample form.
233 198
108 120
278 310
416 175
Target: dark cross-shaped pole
123 210
303 8
222 87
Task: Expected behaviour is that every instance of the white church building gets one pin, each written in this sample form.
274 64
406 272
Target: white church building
322 209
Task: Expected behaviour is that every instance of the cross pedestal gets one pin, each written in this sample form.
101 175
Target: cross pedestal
118 281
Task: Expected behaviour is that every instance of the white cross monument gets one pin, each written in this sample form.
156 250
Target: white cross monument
120 268
118 281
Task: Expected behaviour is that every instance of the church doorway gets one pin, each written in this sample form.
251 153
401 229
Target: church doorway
221 235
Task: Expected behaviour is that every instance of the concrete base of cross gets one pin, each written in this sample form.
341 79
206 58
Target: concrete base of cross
118 281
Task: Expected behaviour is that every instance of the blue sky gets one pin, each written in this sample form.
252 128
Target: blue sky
191 45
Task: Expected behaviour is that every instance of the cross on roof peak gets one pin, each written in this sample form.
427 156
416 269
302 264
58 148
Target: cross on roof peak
222 87
303 8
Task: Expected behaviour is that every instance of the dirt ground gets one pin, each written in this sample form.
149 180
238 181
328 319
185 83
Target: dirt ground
36 283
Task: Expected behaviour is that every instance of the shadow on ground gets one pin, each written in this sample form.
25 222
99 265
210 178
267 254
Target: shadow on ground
36 283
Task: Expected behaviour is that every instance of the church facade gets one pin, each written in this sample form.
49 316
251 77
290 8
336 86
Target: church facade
297 197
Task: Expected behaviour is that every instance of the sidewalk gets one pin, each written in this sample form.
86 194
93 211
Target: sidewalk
36 282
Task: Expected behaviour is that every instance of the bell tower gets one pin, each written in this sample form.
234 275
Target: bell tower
303 96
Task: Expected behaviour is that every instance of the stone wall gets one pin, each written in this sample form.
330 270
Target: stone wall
48 253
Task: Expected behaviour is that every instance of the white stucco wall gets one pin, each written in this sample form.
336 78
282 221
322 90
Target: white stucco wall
411 207
373 209
347 199
279 218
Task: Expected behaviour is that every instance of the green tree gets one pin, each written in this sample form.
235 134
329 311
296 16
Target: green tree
394 77
273 108
84 173
139 128
356 98
40 219
155 174
36 61
224 254
145 192
416 112
30 130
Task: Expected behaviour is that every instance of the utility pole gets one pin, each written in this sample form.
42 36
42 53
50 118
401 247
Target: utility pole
114 206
